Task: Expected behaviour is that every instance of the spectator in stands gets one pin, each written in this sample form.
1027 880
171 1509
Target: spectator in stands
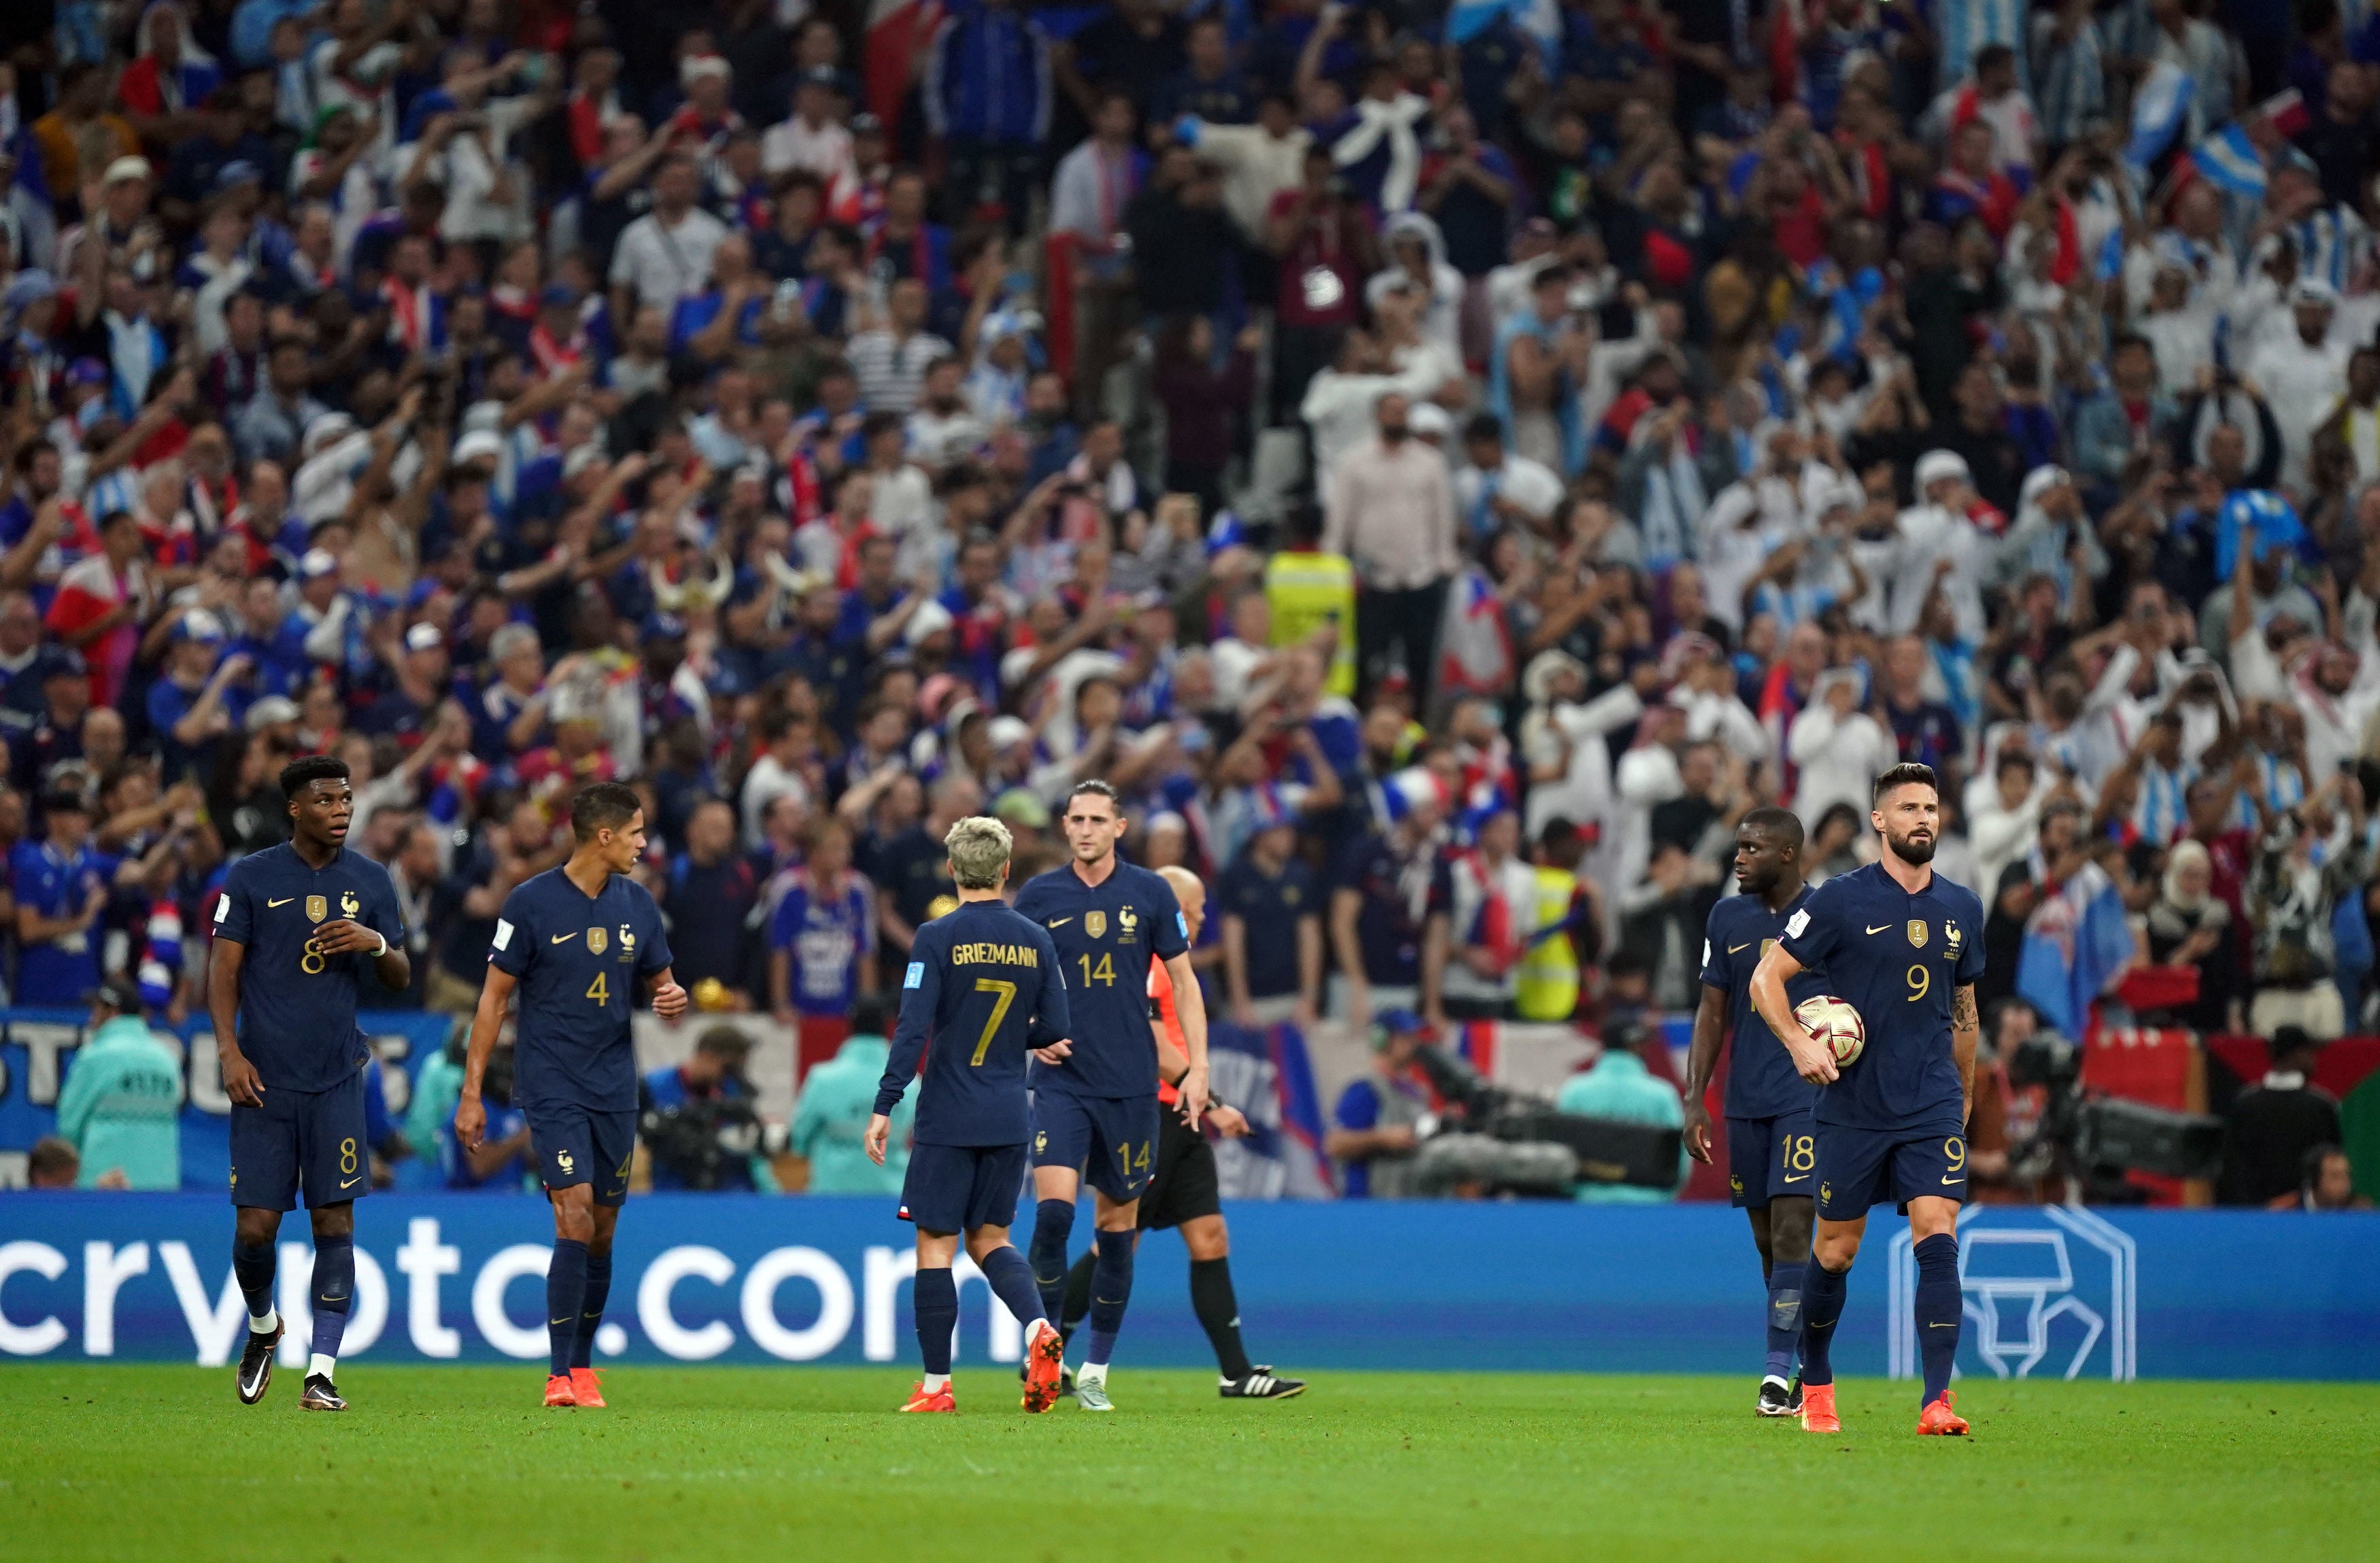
2328 1184
821 948
2273 1124
2292 894
2189 927
699 1126
1271 928
836 1098
120 1105
1372 1136
1379 902
52 1164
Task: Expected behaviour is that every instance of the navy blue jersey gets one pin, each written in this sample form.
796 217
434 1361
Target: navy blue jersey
1106 936
985 986
577 959
1896 958
1761 1080
298 1005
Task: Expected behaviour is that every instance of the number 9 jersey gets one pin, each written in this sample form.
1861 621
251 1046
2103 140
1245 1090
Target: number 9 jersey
1897 958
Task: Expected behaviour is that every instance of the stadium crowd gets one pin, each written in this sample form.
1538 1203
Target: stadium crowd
1444 467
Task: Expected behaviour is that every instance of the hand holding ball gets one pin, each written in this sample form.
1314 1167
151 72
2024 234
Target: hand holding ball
1837 1024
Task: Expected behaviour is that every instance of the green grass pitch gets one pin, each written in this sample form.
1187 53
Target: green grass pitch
163 1464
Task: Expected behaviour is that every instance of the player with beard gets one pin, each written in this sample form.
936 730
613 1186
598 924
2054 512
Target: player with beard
1904 946
1771 1140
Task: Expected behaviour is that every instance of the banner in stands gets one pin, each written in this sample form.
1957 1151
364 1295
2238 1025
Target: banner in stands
37 1045
1421 1285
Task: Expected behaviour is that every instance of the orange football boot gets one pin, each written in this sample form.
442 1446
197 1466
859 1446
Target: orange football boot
559 1392
924 1400
586 1389
1045 1366
1818 1408
1938 1421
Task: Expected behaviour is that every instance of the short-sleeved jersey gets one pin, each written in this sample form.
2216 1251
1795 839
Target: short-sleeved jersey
1761 1080
1106 936
1896 958
984 986
297 1005
577 959
825 935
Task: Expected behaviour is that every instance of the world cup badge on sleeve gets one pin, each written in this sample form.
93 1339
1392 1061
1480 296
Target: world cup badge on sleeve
1917 933
317 908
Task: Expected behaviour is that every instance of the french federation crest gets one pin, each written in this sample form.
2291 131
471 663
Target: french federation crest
627 937
1917 933
1095 924
317 908
350 906
1127 920
597 939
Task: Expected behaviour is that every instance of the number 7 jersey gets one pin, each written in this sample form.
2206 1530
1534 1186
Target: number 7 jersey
1897 958
577 959
984 987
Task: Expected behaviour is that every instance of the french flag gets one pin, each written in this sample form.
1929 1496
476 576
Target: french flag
898 32
2158 111
1475 647
1308 1172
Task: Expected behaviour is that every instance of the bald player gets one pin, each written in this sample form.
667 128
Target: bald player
1186 1192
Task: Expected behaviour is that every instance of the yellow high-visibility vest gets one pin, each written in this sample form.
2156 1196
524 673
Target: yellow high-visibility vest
1548 986
1307 591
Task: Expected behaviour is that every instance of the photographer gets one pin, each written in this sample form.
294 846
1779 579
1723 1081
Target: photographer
700 1120
1372 1136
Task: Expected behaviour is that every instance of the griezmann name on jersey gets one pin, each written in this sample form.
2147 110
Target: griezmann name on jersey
297 1005
1105 937
1897 958
984 987
577 959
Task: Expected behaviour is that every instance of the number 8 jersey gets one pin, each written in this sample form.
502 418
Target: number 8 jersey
1897 958
578 960
298 1005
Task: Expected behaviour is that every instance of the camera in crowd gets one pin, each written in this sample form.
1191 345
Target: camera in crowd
2085 1144
1493 1143
706 1140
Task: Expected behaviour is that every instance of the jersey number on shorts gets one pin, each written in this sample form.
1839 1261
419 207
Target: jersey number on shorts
1800 1151
601 991
1920 981
1005 995
1131 1163
1104 972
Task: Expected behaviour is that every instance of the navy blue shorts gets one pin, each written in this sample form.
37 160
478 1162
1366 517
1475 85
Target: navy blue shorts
1771 1158
309 1139
959 1188
1111 1139
577 1145
1861 1167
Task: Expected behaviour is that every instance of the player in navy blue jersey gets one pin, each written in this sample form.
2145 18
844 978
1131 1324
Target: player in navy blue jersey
1771 1144
1107 920
984 987
1904 946
295 930
576 940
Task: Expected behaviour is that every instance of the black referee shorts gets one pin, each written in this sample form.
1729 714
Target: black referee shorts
1185 1185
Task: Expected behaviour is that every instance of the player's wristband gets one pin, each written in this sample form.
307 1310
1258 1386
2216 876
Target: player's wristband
383 945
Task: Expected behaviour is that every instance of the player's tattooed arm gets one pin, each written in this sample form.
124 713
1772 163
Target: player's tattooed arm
1966 1032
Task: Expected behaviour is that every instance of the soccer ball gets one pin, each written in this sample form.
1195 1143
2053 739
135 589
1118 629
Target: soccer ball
1836 1024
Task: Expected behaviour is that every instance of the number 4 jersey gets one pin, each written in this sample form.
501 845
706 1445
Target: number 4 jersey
1897 958
577 959
984 987
298 1005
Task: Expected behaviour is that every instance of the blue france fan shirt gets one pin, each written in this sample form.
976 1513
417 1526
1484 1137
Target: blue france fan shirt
984 985
1761 1081
298 1006
62 970
1896 958
1106 936
577 959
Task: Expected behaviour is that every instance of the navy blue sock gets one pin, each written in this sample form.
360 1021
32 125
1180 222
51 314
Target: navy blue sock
335 1291
1784 1316
253 1266
936 1298
566 1292
590 1308
1111 1289
1012 1283
1053 1221
1937 1310
1822 1309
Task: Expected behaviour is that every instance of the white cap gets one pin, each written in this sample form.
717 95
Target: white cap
1428 420
318 562
694 67
423 637
931 618
1935 466
126 167
477 443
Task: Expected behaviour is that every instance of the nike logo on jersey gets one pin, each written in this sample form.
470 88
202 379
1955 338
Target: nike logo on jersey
1733 948
1060 922
559 937
1880 927
283 902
